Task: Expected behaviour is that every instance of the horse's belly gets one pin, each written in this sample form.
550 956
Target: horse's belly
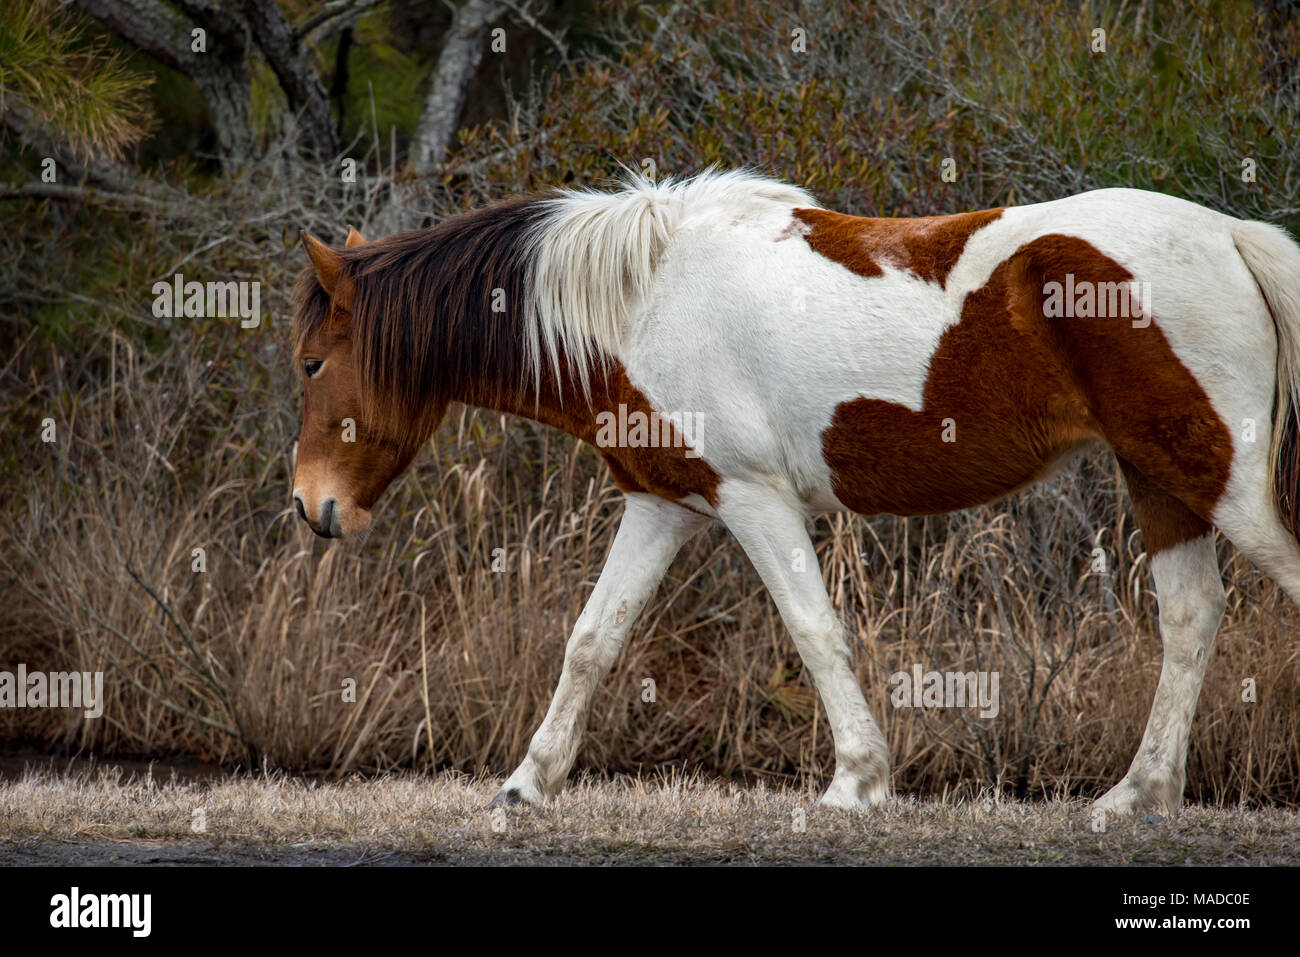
885 458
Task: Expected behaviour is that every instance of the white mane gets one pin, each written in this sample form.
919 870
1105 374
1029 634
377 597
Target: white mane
595 255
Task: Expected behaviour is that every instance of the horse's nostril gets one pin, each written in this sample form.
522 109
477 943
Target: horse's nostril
302 512
327 517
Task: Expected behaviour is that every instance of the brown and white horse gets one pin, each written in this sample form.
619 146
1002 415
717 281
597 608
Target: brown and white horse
829 362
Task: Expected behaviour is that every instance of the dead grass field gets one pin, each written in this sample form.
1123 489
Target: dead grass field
155 541
111 817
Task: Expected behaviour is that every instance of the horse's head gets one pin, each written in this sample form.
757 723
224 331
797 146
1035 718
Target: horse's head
354 442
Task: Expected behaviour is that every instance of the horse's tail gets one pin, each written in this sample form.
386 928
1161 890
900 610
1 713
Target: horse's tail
1274 260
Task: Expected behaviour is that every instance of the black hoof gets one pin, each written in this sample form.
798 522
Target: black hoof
507 798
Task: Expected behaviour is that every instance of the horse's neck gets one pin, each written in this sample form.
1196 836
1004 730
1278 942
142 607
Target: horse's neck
560 405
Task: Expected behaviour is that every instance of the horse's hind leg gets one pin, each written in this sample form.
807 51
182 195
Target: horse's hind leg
1189 591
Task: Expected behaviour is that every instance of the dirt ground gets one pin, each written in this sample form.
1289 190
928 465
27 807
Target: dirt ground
149 816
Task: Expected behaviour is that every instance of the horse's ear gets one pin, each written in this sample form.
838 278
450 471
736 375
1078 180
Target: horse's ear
354 238
325 260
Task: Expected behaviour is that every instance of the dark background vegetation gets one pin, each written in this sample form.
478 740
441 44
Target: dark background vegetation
176 434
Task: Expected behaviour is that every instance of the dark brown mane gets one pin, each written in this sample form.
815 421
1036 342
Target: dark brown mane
311 307
423 328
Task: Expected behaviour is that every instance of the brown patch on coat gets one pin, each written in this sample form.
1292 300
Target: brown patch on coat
927 246
1022 390
1164 520
666 470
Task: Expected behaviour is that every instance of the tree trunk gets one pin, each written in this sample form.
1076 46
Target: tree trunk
288 59
220 73
462 51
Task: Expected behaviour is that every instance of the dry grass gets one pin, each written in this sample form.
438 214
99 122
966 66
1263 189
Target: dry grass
177 435
454 662
107 816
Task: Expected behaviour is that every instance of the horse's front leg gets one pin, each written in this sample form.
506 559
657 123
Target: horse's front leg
770 527
649 535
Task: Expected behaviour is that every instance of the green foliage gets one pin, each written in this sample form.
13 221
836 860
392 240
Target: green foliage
268 108
1175 104
1012 92
384 83
77 89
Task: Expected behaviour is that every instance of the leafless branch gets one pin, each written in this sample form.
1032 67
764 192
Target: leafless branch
331 16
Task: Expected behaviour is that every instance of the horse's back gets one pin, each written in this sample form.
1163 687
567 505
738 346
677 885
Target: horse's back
920 366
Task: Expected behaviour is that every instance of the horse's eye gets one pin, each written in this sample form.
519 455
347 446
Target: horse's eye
311 367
